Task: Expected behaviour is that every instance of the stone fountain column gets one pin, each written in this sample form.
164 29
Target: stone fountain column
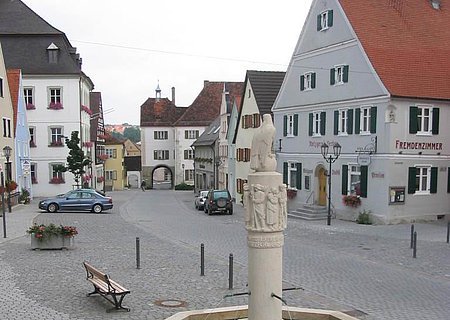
265 201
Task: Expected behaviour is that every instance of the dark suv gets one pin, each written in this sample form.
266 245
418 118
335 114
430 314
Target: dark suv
218 201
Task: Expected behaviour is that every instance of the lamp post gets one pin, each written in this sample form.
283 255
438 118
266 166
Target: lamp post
182 171
330 158
3 204
7 153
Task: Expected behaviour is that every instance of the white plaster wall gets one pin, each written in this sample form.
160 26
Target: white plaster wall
182 144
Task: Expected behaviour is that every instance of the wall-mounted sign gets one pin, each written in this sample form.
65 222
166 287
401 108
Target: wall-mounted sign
414 145
363 159
307 171
397 195
379 175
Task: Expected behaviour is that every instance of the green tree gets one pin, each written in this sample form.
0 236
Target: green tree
117 135
132 133
76 160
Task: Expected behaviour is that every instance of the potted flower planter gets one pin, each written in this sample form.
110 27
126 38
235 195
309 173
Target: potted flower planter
51 236
51 243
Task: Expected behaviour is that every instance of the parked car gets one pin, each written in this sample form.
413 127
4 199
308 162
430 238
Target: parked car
78 200
200 200
218 201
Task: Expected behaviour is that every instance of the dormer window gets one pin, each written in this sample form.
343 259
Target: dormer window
52 51
325 20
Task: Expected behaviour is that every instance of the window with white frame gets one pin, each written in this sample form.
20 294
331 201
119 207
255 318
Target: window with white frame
308 81
354 179
28 95
110 175
7 127
56 136
191 134
423 178
189 174
292 176
316 123
424 120
188 154
161 154
365 120
343 119
160 135
55 95
55 174
33 173
290 125
111 152
339 74
325 20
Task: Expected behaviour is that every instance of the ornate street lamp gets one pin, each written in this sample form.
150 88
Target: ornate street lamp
182 171
330 158
7 154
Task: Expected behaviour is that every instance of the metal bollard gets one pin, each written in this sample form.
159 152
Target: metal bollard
230 272
202 259
448 231
412 236
415 245
138 253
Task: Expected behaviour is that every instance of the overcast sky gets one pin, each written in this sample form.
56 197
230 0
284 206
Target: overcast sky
128 46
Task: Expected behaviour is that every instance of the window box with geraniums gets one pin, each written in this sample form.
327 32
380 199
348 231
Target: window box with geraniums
100 179
103 157
51 236
351 200
86 109
291 193
55 106
32 144
10 186
88 144
30 106
56 180
58 143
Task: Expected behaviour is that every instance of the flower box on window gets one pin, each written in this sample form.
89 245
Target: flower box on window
103 157
56 144
86 177
57 180
86 109
34 180
32 144
30 106
351 200
88 144
291 193
100 179
55 106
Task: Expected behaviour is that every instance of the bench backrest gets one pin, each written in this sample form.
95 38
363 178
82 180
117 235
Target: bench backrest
95 273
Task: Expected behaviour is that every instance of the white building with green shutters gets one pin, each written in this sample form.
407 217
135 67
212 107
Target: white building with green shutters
379 88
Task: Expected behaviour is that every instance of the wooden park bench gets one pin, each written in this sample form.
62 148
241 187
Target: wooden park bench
107 288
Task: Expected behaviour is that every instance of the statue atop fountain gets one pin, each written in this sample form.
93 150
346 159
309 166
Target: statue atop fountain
265 219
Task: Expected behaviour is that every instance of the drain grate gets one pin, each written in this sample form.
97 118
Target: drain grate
171 303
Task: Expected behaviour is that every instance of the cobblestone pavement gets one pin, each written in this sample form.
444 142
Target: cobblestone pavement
342 267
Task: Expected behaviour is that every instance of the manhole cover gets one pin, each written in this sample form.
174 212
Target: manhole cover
171 303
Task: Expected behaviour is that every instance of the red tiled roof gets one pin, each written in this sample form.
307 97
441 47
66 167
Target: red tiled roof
206 107
160 113
407 42
13 83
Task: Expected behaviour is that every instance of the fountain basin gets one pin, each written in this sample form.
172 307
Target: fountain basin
240 312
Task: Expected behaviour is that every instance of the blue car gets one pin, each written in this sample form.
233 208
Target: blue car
78 200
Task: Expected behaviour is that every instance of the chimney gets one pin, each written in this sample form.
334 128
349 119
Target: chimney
173 95
205 83
436 4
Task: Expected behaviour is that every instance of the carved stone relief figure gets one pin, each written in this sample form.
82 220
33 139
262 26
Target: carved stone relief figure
273 208
259 206
283 206
247 205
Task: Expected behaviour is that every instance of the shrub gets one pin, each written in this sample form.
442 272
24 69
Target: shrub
184 186
24 196
364 217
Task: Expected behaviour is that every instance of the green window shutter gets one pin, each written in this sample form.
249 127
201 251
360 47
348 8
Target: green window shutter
155 155
154 135
434 178
330 18
295 124
299 175
284 126
313 80
363 182
197 133
435 128
302 83
345 78
322 123
185 134
344 184
166 154
448 180
373 120
357 120
285 172
412 180
310 128
332 79
350 121
185 154
336 122
413 121
319 25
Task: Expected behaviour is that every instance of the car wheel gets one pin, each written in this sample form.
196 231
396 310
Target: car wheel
230 212
52 207
97 208
209 211
196 207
